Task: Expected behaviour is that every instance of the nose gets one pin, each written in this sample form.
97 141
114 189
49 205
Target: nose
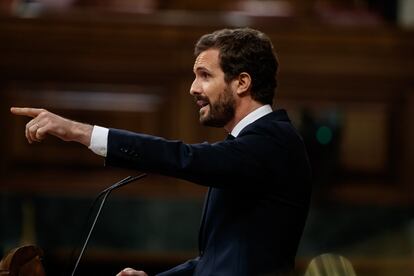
195 88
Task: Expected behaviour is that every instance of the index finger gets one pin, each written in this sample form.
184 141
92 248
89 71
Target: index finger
26 111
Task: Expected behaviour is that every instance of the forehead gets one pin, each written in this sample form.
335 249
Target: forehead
208 59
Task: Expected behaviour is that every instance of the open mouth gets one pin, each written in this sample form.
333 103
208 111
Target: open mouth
202 103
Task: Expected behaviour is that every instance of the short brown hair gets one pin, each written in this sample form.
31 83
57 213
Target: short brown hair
245 50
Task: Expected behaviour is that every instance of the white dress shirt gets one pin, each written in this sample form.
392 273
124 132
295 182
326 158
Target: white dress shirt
250 118
99 139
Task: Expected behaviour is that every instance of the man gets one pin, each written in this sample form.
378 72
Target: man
258 178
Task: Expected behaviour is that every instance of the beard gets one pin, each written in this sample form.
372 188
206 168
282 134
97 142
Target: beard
220 112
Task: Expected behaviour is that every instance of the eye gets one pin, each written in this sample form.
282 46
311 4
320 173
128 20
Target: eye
204 75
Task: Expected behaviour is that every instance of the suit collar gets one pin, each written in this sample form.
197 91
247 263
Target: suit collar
250 118
279 115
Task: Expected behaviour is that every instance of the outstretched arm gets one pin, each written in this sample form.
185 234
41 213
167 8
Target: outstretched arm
44 122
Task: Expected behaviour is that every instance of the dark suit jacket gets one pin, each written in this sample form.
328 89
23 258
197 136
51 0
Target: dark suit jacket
258 199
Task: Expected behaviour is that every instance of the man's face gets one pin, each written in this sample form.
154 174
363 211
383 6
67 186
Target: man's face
212 94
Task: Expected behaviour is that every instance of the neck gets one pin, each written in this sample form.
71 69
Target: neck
242 110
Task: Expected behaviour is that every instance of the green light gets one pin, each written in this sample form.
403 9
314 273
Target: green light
324 135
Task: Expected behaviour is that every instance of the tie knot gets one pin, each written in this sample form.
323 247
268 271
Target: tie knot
230 137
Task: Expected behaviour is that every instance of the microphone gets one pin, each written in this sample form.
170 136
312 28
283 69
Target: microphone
121 183
104 193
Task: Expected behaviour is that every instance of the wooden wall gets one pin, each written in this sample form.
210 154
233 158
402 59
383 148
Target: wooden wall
321 66
134 72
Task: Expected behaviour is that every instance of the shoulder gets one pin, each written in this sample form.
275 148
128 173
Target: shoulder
276 123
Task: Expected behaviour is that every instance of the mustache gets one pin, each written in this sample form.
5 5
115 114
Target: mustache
201 98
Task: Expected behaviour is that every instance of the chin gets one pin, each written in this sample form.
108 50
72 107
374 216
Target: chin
204 116
204 121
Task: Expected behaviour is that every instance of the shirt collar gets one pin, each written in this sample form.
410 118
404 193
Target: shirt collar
250 118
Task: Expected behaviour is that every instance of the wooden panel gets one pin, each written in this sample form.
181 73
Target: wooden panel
43 60
364 144
77 50
407 138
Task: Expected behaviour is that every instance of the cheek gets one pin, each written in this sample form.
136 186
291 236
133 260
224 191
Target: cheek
213 90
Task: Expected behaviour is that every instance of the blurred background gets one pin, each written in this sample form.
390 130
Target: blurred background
346 78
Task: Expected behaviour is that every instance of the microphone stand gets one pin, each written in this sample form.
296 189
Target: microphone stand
105 193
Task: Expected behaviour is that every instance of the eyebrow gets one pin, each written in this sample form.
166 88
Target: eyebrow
201 68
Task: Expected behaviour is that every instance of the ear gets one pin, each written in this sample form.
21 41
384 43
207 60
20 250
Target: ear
244 82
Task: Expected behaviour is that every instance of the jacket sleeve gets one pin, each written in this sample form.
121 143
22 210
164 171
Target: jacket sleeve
185 269
247 158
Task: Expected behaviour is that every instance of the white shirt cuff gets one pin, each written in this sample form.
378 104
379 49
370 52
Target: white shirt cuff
99 140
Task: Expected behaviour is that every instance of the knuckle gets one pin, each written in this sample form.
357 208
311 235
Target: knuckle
44 113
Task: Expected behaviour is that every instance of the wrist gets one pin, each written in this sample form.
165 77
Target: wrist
82 133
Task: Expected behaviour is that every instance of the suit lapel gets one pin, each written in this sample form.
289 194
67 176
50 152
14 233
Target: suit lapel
201 232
